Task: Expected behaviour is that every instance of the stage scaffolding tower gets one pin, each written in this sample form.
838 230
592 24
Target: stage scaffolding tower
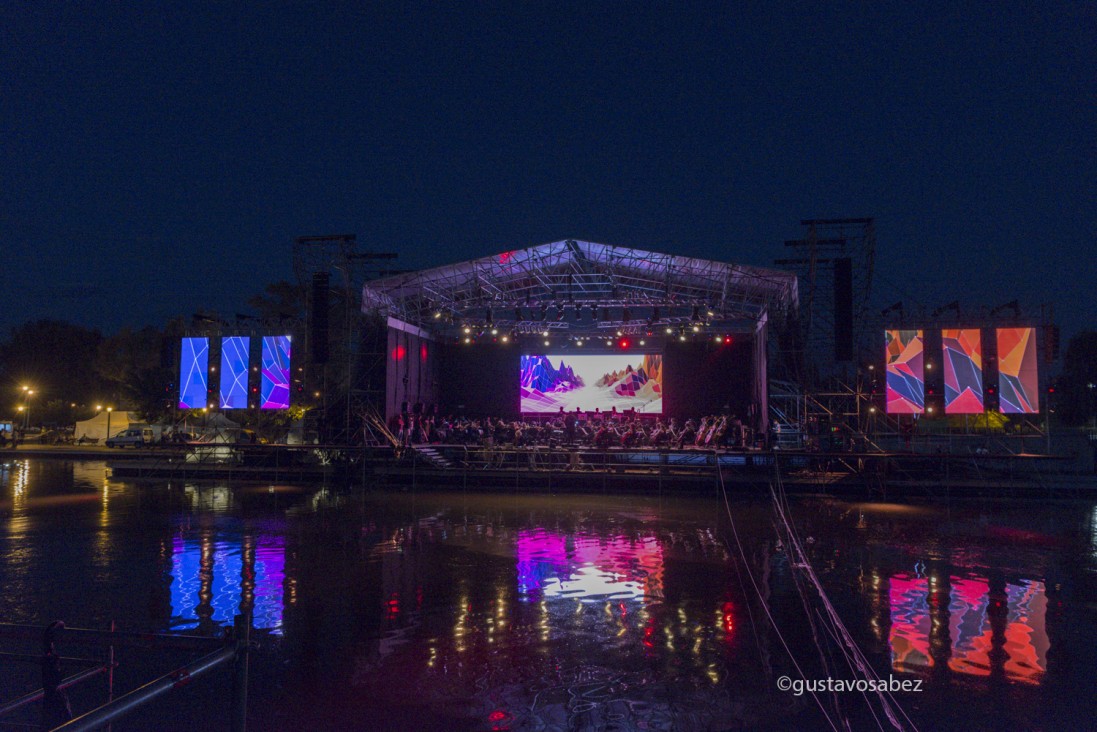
331 270
826 348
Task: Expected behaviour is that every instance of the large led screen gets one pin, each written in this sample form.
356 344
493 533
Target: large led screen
906 378
193 365
963 362
276 373
550 381
1018 379
234 372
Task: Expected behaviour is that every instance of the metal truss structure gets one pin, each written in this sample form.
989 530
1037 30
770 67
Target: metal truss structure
827 241
582 288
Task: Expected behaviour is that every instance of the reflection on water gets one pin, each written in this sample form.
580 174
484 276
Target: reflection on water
910 623
972 621
553 612
588 568
212 583
969 627
1026 641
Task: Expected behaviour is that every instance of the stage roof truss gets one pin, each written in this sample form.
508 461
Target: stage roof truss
582 287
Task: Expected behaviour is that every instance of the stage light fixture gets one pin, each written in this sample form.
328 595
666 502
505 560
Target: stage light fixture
682 337
546 341
619 333
609 343
545 333
624 343
696 329
494 331
670 331
467 330
711 314
504 339
578 341
641 341
468 340
719 339
437 314
559 311
872 410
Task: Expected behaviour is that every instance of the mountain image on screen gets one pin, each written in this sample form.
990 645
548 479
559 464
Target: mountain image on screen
590 382
539 375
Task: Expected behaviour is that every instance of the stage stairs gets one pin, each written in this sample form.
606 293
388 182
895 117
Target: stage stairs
435 458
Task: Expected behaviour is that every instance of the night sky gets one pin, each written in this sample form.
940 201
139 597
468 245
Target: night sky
161 161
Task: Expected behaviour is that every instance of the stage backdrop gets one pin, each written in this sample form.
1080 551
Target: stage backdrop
696 378
411 376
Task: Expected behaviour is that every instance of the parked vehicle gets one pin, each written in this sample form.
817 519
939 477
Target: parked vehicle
135 436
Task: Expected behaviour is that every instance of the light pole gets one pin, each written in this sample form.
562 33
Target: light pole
109 410
25 409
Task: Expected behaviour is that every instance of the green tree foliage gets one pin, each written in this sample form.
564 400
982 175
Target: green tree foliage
279 302
1075 400
55 359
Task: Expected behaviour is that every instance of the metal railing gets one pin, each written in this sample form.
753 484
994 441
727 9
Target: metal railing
233 647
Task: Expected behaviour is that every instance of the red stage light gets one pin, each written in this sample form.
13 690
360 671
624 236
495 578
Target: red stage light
624 344
398 353
727 339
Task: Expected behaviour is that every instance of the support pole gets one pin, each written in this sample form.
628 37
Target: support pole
242 633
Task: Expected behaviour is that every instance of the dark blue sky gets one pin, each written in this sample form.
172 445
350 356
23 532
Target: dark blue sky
160 161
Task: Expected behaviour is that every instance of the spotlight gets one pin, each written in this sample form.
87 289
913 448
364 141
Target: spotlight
609 343
437 314
711 314
670 331
872 410
468 340
546 341
545 333
719 339
504 339
619 333
624 343
578 341
467 330
682 337
641 341
696 329
494 331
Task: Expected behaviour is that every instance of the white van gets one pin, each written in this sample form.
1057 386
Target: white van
136 436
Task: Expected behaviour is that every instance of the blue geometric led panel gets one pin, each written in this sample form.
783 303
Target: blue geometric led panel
275 387
234 372
193 364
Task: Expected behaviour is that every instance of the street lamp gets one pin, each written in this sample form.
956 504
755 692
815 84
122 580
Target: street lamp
109 410
27 394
